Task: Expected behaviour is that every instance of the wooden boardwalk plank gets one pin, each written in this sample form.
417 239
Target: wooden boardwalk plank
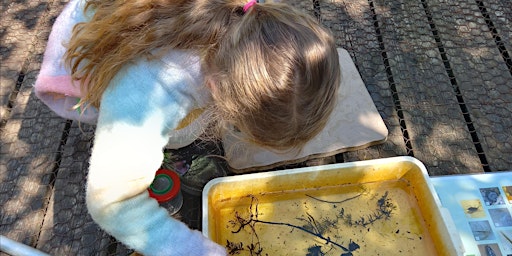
30 148
31 133
22 26
434 123
500 14
480 73
351 22
68 229
30 141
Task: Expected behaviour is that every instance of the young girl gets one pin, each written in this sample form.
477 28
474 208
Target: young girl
139 67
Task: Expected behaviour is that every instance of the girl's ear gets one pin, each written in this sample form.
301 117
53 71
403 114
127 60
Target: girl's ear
210 83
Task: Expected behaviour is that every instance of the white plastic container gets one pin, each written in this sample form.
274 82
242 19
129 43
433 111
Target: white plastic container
385 206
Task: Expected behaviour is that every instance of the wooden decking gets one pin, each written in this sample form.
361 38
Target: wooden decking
439 72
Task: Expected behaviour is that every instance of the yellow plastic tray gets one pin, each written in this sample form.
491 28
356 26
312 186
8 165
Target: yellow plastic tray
376 207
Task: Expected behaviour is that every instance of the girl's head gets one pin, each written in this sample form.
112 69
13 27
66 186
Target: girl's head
273 70
275 76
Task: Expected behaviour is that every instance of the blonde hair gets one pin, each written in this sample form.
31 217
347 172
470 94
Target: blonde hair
274 69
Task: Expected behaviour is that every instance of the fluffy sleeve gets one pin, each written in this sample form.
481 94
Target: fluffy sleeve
135 116
54 85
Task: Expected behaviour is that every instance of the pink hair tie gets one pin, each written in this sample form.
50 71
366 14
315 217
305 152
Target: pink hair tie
249 5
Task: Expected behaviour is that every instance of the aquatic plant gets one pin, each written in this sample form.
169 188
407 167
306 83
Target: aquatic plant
319 228
384 209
